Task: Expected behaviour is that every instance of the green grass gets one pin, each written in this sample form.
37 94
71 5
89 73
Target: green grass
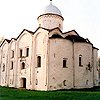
20 94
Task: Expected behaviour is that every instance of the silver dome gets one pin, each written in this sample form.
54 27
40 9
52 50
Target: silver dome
51 9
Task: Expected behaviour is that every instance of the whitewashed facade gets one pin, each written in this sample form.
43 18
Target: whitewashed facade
48 59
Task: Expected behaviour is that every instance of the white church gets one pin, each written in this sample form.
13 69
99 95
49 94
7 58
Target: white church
48 58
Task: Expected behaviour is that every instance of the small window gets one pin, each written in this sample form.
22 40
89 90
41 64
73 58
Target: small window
80 60
12 64
89 66
39 61
27 52
3 68
64 82
64 63
20 52
59 25
87 82
12 54
23 65
36 82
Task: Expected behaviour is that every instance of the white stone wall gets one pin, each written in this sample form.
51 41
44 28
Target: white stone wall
23 42
95 71
12 72
51 75
83 77
60 49
50 21
40 49
4 64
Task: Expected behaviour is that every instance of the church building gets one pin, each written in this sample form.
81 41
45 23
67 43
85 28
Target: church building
48 58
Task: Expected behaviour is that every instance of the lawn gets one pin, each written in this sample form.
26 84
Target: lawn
20 94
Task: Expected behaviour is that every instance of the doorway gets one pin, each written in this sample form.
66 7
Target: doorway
23 82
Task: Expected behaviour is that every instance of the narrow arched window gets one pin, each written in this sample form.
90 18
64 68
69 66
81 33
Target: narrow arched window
3 67
12 65
12 54
39 61
64 62
20 52
80 60
23 65
87 82
64 82
59 25
27 52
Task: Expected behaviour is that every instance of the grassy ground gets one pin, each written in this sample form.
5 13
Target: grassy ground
20 94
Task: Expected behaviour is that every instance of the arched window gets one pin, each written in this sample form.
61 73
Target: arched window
65 63
3 67
59 25
27 52
12 65
87 82
39 61
64 82
23 65
20 52
12 52
80 60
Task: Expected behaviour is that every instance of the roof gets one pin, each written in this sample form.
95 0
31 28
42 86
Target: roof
51 9
56 36
75 38
23 31
4 41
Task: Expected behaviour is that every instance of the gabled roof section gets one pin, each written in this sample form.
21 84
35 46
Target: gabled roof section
55 33
40 28
13 39
55 29
4 41
49 30
23 31
7 40
72 32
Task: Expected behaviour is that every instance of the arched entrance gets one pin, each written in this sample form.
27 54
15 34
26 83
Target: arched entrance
23 82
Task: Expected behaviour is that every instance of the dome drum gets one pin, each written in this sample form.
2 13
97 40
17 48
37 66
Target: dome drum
51 17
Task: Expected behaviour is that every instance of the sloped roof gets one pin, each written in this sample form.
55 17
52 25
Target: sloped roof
75 38
55 36
4 41
23 31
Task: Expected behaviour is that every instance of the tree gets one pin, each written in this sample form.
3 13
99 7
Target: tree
1 39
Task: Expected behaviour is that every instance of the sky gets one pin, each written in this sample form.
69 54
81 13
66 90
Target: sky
80 15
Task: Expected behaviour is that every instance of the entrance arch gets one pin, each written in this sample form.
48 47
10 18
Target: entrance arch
23 82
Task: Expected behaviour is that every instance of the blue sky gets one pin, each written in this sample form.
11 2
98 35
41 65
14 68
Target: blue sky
81 15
